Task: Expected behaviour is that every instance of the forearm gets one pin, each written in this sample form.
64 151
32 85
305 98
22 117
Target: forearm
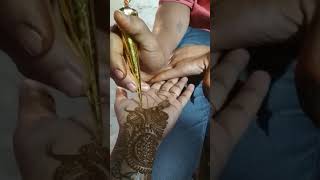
171 23
121 164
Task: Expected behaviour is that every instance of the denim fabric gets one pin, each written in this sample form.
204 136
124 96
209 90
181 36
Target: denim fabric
289 152
179 153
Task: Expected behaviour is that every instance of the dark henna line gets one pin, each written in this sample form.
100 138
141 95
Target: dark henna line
161 96
143 133
154 99
91 162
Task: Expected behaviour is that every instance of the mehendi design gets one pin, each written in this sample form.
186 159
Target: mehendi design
91 163
143 133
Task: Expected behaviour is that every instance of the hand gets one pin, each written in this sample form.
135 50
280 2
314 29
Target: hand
186 61
142 128
33 35
171 90
276 22
231 121
244 23
41 132
151 55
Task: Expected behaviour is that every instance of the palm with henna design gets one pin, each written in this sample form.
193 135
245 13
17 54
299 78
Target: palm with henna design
142 127
170 90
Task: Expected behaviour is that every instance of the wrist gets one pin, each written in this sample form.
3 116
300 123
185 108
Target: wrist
133 154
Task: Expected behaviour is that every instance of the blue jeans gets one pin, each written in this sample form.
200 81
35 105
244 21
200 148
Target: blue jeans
179 153
291 151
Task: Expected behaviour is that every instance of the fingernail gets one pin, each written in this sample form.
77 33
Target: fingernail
123 15
30 40
131 87
145 86
119 74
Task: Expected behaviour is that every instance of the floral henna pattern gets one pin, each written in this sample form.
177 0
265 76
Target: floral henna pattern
143 133
90 163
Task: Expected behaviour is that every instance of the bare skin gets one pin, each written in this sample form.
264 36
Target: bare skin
230 120
285 20
33 36
162 105
155 47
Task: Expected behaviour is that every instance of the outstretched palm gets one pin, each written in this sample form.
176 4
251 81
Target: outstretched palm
163 98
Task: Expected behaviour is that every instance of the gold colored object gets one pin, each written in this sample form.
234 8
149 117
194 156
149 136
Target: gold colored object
78 18
131 52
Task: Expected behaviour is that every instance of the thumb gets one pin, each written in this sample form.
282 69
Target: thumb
35 104
135 27
28 25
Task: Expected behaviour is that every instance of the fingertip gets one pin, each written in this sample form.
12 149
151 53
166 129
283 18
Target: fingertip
262 75
185 79
240 56
118 74
131 86
121 18
145 86
261 79
191 87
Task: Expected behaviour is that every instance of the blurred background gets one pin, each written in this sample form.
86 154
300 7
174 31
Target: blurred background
10 80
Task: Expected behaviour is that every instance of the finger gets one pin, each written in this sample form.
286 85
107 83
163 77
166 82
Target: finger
190 51
145 86
121 95
242 110
225 75
117 61
35 104
28 24
183 69
138 31
119 70
186 94
157 85
168 84
134 26
177 88
60 67
232 30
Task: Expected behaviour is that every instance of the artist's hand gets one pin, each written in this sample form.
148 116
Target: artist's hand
151 55
33 36
186 61
243 23
231 121
171 90
39 127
